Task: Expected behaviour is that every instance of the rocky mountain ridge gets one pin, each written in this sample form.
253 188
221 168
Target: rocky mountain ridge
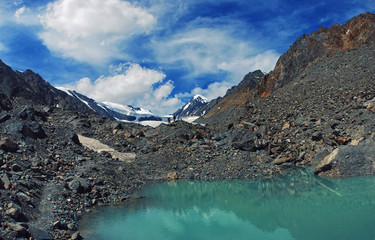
115 111
197 106
306 50
32 87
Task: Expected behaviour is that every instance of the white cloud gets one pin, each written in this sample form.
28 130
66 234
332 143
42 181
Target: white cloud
93 31
208 50
132 84
24 15
239 67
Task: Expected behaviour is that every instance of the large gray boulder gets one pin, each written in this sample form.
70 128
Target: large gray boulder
349 161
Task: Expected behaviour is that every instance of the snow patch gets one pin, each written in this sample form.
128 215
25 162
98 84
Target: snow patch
186 106
67 91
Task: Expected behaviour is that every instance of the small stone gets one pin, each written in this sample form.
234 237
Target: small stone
16 168
172 175
76 236
60 225
6 182
281 160
13 212
286 126
317 136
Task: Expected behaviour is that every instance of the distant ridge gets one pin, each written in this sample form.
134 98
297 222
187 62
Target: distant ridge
197 106
115 111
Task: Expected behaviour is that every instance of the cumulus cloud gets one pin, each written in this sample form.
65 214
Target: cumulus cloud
131 84
93 30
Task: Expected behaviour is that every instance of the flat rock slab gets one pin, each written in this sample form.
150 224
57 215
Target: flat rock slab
97 146
349 161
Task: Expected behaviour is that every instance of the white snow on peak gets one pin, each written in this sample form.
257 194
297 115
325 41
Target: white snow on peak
67 91
127 109
200 96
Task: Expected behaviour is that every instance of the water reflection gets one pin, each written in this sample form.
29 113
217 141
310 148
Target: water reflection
298 206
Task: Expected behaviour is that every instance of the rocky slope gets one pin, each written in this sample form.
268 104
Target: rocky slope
325 102
236 96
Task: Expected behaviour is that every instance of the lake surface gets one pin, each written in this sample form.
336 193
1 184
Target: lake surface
298 206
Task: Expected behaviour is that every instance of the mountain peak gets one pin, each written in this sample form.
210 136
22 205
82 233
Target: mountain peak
195 107
200 98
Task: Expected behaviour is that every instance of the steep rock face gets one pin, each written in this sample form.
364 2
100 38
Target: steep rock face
309 48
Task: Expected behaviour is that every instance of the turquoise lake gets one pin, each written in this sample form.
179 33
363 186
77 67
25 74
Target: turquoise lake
297 206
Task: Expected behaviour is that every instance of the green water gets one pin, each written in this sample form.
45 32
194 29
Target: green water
298 206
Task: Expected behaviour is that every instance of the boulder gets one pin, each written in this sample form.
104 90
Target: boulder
349 161
8 145
21 231
33 130
67 135
5 117
79 185
5 102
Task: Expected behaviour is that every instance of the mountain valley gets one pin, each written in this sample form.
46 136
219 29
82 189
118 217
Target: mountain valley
315 109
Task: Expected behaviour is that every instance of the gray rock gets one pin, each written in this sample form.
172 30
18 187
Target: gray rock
8 145
13 212
5 180
317 136
349 161
33 130
4 118
19 230
76 236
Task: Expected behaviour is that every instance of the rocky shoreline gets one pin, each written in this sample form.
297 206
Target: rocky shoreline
48 178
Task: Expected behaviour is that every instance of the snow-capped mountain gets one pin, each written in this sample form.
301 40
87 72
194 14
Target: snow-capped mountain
115 111
195 107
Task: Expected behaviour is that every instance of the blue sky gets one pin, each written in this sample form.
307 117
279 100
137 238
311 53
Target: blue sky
157 54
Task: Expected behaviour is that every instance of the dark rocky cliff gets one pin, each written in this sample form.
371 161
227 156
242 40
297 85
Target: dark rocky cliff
32 87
